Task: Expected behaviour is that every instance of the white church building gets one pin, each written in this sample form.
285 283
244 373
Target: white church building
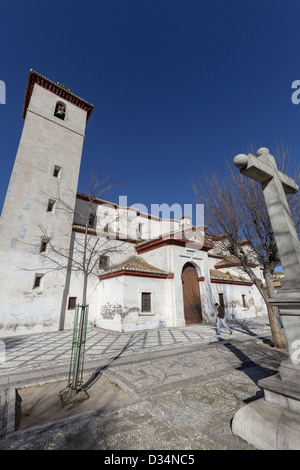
140 271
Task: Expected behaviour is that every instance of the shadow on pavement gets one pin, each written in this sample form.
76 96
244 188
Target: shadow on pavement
254 371
97 373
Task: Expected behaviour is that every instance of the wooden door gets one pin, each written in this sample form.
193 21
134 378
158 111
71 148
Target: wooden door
191 295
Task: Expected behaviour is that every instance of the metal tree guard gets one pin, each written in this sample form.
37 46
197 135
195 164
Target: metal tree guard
77 356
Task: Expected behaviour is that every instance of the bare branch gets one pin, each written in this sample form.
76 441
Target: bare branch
235 210
86 247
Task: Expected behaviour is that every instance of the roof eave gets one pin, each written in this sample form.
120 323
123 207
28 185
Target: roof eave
56 88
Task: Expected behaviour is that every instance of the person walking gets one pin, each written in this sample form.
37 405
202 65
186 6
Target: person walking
221 319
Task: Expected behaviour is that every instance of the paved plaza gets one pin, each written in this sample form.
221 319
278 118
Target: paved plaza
184 385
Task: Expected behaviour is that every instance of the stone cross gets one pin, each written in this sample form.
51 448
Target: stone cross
283 389
276 185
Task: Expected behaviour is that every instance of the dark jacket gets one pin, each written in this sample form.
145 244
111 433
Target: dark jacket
221 312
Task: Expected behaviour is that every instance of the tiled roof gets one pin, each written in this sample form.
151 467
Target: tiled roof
56 88
232 261
216 274
228 260
136 263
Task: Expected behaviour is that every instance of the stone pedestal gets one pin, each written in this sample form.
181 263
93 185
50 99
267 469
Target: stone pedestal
268 426
273 422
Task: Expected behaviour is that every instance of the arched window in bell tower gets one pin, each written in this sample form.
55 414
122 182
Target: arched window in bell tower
60 110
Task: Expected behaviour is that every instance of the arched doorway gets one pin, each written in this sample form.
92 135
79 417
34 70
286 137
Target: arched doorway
191 295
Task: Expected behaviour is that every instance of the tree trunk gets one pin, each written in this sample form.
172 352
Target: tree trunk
84 265
84 290
279 339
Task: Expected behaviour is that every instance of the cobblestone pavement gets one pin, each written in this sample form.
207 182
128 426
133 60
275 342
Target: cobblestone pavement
51 350
185 385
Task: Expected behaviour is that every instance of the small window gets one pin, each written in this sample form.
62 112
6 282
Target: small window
103 262
146 301
44 244
37 281
50 207
140 230
72 303
56 171
244 301
60 110
221 300
92 220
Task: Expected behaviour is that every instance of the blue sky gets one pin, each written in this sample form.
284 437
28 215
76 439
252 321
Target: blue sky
177 85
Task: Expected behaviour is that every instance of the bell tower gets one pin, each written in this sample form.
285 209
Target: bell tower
47 163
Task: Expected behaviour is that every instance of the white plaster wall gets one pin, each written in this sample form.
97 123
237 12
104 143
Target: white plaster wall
99 292
160 314
255 306
159 258
26 309
122 310
104 298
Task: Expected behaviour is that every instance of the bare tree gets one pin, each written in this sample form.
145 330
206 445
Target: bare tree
89 241
235 209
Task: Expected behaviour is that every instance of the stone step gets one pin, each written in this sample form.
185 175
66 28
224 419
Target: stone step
282 393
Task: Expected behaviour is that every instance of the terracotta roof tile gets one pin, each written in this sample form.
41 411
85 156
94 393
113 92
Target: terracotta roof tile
216 274
136 263
228 260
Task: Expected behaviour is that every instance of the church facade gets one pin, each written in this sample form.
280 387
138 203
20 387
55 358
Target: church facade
60 248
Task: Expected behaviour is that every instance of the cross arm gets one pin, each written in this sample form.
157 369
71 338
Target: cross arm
253 168
260 171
